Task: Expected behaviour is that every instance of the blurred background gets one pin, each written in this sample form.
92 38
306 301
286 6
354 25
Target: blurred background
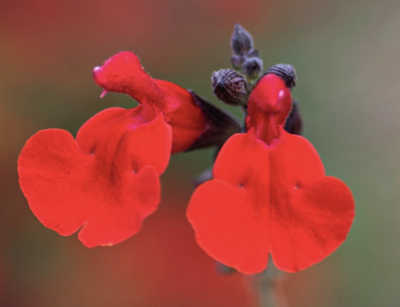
346 54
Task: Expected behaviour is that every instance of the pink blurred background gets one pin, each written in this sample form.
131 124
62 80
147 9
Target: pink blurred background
346 57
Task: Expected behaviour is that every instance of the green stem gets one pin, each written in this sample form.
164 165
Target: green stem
268 286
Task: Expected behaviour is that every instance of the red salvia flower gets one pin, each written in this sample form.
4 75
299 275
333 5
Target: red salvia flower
269 194
123 73
106 181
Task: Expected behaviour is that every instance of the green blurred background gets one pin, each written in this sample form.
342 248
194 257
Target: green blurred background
346 54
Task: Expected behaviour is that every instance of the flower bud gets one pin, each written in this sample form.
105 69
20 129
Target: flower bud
252 67
241 41
229 86
253 53
236 61
286 72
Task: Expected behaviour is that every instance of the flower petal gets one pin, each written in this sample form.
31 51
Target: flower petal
311 213
269 105
123 207
50 177
106 180
312 225
123 137
270 199
228 214
123 73
229 227
183 114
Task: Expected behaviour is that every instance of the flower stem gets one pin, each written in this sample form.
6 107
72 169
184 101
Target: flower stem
268 286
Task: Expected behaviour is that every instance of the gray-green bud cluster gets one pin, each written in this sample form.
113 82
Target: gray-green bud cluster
245 57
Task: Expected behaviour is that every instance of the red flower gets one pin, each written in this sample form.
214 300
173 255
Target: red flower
123 73
270 194
107 180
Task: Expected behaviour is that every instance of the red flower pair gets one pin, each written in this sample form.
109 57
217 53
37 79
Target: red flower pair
269 194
